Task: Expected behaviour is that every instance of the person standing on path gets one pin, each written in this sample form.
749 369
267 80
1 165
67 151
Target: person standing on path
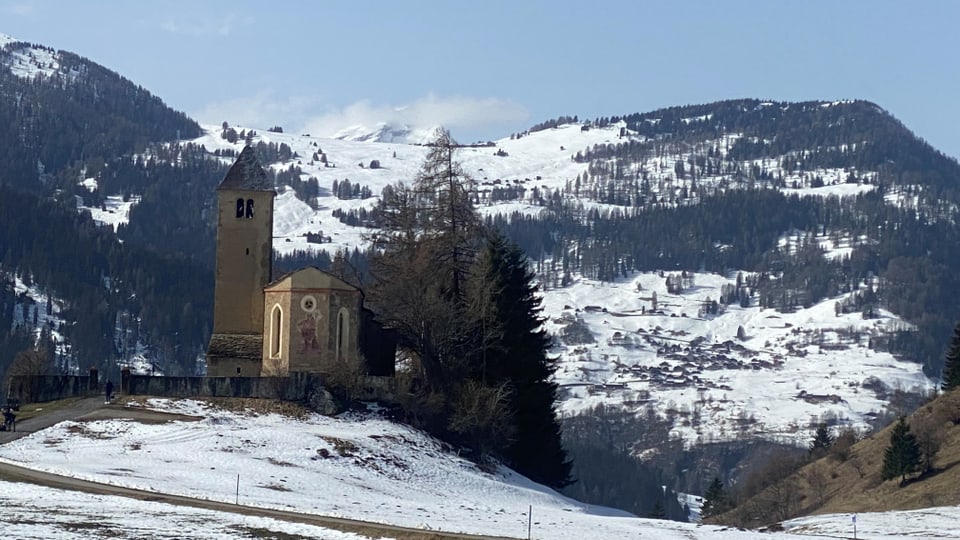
109 395
9 419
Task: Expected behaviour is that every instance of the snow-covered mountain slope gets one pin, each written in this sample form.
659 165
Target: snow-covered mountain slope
42 313
541 160
786 373
27 61
789 371
356 466
385 132
539 164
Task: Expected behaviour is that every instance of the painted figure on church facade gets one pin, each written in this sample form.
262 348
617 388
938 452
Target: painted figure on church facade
308 333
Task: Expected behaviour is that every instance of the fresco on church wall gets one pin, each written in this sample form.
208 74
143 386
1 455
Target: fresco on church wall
308 334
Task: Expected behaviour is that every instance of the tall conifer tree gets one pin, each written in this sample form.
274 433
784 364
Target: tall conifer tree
520 359
902 457
715 500
951 365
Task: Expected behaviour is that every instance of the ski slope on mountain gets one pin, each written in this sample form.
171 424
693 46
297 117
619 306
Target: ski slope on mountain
359 466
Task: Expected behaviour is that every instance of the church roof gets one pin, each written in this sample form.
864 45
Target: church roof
236 346
247 173
309 278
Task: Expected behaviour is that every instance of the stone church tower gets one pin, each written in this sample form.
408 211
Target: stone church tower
244 266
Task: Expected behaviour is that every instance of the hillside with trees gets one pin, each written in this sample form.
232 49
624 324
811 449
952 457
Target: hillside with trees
69 120
908 465
78 114
714 187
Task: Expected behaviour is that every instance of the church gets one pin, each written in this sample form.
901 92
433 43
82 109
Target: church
304 321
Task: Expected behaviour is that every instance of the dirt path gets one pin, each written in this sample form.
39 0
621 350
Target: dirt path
95 409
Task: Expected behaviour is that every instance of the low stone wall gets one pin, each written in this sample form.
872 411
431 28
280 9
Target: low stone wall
297 387
301 387
40 388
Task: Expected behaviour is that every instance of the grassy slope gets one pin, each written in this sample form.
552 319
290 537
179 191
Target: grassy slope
851 482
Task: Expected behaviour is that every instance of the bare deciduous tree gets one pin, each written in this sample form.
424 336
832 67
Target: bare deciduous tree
426 252
481 415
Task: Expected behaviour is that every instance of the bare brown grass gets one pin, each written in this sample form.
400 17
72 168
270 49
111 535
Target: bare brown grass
253 406
343 447
82 431
850 480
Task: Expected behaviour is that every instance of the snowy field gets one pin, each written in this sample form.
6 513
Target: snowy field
356 466
115 210
38 513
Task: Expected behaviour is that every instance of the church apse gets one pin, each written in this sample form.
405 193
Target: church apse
322 331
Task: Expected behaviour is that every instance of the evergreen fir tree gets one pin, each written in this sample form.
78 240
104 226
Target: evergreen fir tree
822 441
902 457
658 512
714 500
951 366
521 360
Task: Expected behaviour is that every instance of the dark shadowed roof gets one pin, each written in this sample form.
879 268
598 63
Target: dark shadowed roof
235 346
247 173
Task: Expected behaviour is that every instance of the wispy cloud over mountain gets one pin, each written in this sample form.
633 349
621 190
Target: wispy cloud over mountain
462 115
457 113
226 25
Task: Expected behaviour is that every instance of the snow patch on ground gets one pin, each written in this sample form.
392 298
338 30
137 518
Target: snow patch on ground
115 210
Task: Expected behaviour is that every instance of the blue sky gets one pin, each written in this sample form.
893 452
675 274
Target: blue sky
486 69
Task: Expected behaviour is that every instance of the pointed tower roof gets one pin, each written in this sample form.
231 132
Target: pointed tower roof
247 174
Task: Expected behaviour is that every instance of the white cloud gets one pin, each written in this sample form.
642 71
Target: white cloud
218 28
468 118
18 8
263 110
459 114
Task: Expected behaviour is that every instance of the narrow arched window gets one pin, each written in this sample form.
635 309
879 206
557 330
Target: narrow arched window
276 326
343 333
249 208
239 208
